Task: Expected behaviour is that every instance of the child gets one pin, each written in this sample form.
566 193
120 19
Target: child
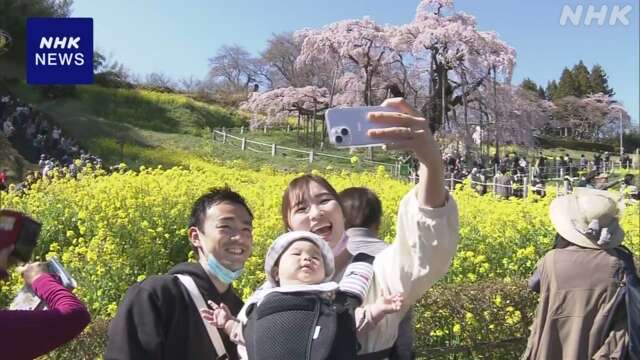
301 263
363 217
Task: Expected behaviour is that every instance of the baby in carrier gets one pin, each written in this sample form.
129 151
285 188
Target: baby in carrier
299 313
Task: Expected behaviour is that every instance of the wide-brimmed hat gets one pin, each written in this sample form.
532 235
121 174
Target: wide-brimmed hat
588 218
283 241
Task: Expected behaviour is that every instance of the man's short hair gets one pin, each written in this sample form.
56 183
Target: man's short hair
362 208
213 197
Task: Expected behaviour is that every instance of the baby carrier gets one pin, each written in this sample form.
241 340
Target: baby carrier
306 325
301 326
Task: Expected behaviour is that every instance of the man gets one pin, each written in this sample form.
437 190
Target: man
158 318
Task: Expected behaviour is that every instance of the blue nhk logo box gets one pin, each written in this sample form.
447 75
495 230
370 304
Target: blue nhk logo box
59 51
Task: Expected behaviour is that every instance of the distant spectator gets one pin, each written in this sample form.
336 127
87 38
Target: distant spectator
597 161
7 128
539 187
583 162
55 134
523 163
625 162
628 189
478 181
42 162
503 183
3 179
541 165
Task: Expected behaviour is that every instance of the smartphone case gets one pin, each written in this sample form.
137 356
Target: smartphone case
347 127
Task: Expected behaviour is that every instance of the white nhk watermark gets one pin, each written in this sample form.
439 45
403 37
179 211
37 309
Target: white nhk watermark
615 14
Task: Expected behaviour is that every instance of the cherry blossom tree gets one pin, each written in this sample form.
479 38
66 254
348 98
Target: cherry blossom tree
357 48
278 104
589 118
454 54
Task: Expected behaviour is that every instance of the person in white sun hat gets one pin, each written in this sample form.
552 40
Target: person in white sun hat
584 283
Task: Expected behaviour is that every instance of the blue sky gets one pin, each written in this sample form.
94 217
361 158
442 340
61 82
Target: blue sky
177 37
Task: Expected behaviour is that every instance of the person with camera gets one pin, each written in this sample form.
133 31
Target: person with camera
26 334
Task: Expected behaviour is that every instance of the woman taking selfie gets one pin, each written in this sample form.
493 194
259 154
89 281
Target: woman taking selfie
426 229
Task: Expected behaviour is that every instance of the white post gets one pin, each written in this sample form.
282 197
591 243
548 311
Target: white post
224 136
453 184
265 128
243 145
273 150
311 157
288 128
241 130
525 187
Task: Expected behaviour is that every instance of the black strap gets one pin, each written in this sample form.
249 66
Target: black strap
378 355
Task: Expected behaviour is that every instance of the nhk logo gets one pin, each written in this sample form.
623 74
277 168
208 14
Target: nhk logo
53 58
60 50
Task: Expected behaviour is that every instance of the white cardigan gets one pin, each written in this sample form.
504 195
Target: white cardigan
426 241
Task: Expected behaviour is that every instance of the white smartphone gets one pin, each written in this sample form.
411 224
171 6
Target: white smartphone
347 127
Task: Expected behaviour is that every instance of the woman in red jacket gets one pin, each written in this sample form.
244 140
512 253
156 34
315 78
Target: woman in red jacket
29 334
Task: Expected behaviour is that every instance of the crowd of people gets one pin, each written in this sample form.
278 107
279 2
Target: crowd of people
506 177
334 290
42 142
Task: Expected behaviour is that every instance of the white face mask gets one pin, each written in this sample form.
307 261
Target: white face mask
215 268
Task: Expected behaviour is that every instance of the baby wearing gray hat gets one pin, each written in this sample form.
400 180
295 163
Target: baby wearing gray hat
302 262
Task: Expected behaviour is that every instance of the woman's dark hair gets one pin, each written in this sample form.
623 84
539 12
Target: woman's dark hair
362 208
298 190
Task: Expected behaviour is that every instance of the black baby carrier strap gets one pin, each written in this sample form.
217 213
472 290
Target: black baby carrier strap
299 326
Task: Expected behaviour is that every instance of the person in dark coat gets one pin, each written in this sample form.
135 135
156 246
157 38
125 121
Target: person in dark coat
158 318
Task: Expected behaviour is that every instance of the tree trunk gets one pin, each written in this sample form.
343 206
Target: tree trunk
313 142
467 133
495 112
298 127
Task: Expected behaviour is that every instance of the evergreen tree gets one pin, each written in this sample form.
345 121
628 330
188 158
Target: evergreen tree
582 80
599 82
552 90
541 93
529 84
567 85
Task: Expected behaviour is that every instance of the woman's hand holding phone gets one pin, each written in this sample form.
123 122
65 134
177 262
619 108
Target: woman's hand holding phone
406 129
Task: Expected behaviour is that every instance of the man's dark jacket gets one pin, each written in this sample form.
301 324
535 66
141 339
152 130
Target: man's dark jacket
158 320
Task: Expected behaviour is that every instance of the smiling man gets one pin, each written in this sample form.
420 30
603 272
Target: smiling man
159 318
